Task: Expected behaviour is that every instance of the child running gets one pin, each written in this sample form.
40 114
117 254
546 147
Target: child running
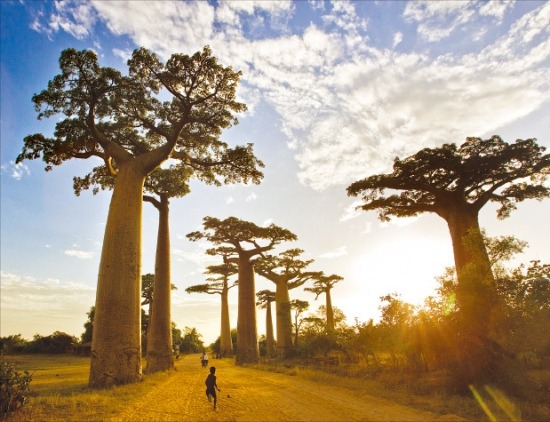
211 386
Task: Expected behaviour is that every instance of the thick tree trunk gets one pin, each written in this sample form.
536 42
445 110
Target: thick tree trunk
247 330
226 343
330 312
159 339
269 338
478 357
116 342
284 319
476 293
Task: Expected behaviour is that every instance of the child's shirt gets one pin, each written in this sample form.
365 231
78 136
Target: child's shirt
210 381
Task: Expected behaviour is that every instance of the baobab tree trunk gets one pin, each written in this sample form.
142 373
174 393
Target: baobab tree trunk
159 338
476 292
226 343
247 331
269 338
476 296
116 341
284 319
330 312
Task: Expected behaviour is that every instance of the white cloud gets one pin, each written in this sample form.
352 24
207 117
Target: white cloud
166 27
351 211
347 108
399 222
496 8
125 55
397 38
75 18
25 293
251 197
16 171
438 19
79 254
335 253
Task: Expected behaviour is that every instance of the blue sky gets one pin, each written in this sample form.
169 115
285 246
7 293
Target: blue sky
335 91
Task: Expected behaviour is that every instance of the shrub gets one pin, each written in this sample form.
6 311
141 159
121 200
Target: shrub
14 388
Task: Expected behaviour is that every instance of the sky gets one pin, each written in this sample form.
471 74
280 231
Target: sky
335 91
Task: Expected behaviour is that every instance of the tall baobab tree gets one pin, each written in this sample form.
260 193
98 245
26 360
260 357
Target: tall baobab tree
134 123
238 235
147 293
219 283
265 297
456 182
287 272
324 284
164 184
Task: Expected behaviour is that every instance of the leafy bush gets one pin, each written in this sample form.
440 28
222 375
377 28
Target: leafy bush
14 388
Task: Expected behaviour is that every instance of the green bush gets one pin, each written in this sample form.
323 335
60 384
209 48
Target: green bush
14 388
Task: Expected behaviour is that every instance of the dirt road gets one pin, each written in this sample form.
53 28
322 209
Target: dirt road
254 395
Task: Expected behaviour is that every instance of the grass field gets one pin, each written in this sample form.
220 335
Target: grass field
59 390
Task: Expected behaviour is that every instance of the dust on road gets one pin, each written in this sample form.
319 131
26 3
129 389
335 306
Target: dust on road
253 395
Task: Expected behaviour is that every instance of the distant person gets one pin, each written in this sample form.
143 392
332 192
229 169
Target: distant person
204 360
211 386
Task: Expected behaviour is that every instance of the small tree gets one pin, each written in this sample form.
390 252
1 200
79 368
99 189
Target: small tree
265 297
191 342
14 388
299 307
239 235
219 284
455 183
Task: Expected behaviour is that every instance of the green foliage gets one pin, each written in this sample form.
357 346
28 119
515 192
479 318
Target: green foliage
215 347
191 342
12 344
86 336
56 343
477 172
14 388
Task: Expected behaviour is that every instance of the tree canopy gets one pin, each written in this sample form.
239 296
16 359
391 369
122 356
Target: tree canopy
477 172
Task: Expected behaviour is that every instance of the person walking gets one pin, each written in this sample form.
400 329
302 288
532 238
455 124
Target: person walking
204 360
212 386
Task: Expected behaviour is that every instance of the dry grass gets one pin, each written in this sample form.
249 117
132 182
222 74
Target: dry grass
59 390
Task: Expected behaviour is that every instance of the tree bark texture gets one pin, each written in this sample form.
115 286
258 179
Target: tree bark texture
476 293
269 338
247 331
478 357
116 342
283 318
159 339
330 312
226 343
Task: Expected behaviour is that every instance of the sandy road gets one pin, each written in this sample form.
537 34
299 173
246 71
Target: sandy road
260 396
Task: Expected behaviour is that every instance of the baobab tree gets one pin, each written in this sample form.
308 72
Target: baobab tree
148 284
133 124
455 183
287 272
219 283
265 297
323 285
239 235
164 184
